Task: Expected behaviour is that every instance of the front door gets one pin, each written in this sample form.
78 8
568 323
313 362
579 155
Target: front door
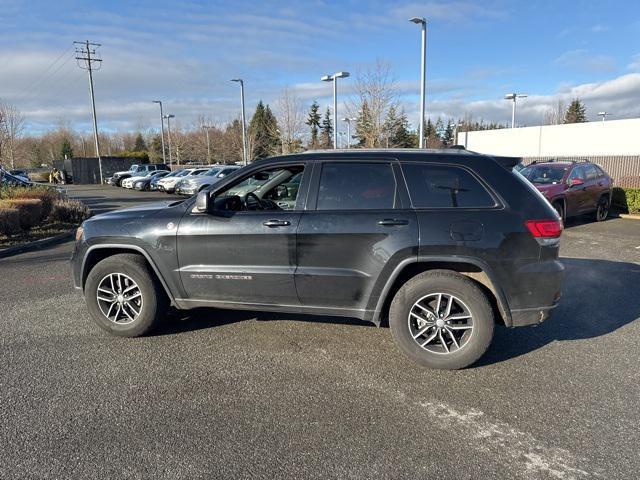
244 251
352 231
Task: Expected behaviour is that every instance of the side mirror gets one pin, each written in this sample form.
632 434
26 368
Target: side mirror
202 202
576 181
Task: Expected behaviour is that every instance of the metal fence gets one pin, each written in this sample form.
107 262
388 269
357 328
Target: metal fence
625 169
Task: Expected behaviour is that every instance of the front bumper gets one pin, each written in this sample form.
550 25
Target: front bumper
166 188
186 190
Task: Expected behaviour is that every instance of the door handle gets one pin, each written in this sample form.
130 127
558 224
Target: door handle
390 222
276 223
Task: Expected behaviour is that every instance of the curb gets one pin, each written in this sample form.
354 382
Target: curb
629 216
35 245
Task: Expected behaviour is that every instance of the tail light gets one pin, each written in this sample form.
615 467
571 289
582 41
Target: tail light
546 232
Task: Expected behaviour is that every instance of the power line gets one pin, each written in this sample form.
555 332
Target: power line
44 73
84 53
36 91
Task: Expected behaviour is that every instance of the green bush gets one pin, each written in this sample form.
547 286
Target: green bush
142 157
9 221
69 211
29 211
626 199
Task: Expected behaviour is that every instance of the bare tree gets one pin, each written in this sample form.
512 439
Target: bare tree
555 114
374 87
11 126
290 114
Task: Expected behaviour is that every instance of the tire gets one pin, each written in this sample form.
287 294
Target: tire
150 304
602 211
559 208
425 288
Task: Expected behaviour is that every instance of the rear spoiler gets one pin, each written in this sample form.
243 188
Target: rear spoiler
508 162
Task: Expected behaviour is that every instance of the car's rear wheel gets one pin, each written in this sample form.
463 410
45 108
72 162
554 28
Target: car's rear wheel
441 319
123 296
602 211
559 208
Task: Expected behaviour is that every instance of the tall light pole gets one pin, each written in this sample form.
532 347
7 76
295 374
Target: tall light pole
169 117
423 73
604 115
334 78
348 120
164 153
244 126
514 97
206 130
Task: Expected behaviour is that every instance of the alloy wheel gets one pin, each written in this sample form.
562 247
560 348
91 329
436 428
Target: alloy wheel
119 298
440 323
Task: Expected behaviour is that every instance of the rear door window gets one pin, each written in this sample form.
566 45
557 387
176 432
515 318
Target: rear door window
356 186
591 172
435 186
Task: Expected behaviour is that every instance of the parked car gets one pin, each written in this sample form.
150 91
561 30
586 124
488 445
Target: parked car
10 180
194 183
129 182
168 184
118 177
572 188
153 184
442 243
21 174
144 183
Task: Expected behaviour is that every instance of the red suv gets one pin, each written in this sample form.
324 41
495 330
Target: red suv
572 188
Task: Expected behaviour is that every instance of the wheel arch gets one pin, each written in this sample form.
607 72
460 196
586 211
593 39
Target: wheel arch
96 253
473 268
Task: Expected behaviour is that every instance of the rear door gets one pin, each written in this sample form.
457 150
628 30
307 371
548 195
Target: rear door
354 230
594 187
575 196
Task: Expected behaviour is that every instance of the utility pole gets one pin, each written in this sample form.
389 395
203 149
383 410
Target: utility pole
206 130
423 73
84 54
348 120
164 153
169 117
245 157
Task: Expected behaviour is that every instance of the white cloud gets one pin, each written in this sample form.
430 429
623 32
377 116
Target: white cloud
635 63
584 60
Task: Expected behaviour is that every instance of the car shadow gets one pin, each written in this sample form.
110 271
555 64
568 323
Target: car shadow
178 321
598 298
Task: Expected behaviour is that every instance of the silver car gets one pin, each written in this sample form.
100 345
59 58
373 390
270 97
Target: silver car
194 183
168 183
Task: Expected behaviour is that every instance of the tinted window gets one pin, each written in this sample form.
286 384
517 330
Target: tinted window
592 173
433 186
577 172
356 186
544 174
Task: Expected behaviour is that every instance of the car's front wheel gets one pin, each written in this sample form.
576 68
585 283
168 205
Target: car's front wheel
441 319
123 296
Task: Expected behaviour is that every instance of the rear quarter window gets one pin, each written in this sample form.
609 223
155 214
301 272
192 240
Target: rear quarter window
434 186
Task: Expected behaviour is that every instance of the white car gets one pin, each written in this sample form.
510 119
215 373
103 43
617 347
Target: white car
194 183
168 183
131 181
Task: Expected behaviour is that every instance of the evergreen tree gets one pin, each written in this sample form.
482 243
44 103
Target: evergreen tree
313 120
576 113
396 128
326 131
155 149
139 145
263 131
447 136
429 130
66 151
363 126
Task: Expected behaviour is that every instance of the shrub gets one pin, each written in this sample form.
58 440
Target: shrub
9 221
46 194
29 210
69 211
626 199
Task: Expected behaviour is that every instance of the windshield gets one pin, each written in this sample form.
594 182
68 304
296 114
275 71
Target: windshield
183 173
133 168
212 171
544 174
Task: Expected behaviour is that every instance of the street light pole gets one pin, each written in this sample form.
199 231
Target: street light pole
206 130
164 153
334 78
169 117
244 127
604 115
514 97
348 120
423 73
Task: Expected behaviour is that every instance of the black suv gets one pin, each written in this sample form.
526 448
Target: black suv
443 244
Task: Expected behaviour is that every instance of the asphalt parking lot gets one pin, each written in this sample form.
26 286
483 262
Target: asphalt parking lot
221 394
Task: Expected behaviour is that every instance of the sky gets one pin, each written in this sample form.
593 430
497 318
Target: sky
185 54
